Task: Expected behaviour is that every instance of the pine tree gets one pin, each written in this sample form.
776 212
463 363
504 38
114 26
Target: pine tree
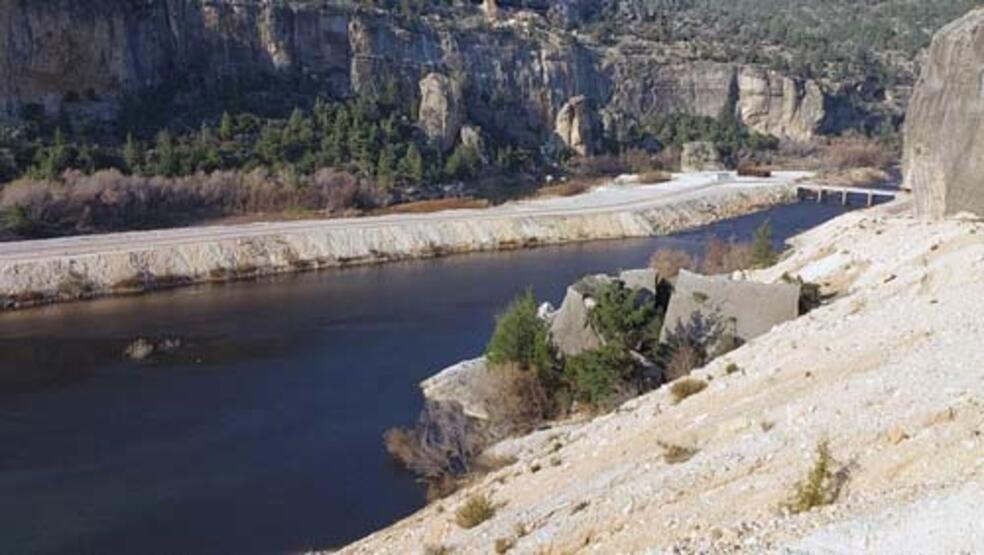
132 155
763 254
165 155
386 167
412 165
50 162
227 128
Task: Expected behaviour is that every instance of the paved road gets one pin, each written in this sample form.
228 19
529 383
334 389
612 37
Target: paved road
612 198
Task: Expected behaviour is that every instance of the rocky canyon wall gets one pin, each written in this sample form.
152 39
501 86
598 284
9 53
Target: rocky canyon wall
515 74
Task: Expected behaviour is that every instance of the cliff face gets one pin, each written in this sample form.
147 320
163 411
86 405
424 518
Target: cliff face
944 137
515 74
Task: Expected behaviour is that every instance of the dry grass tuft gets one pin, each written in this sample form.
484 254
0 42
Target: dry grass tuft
475 511
686 387
503 545
676 454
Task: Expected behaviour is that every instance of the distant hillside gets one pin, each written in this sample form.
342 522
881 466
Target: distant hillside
397 100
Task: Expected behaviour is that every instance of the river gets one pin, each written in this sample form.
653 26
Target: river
263 435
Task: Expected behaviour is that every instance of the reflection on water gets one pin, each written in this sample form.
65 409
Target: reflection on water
261 434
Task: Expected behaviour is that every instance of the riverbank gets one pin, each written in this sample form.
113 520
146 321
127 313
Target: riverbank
60 270
275 378
898 349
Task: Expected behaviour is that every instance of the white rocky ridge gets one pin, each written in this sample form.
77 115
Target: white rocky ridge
889 372
33 272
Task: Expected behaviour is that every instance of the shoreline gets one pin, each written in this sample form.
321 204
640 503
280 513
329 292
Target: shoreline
36 273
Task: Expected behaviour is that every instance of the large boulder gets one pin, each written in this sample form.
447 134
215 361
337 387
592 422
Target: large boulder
442 109
749 309
576 126
944 132
700 156
570 327
470 383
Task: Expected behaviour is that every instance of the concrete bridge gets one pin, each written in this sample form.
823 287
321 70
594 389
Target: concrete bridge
820 192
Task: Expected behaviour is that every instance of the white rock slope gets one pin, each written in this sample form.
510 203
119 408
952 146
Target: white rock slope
890 373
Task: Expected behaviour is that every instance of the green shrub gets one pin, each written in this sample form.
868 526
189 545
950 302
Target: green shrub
595 376
475 511
521 337
622 317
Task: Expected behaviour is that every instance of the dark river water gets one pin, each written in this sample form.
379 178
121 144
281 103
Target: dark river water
264 434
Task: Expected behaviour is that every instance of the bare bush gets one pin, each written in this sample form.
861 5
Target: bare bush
683 360
631 161
669 262
109 200
858 152
724 257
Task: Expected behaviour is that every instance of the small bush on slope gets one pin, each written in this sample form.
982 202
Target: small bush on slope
475 511
820 487
596 376
681 389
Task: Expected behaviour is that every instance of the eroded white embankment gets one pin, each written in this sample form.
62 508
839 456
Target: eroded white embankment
136 263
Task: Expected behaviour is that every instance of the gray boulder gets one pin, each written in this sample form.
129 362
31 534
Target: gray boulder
700 156
749 309
442 109
645 279
570 327
944 132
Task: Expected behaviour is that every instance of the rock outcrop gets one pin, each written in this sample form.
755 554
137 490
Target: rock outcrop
576 126
774 104
441 109
570 328
944 133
